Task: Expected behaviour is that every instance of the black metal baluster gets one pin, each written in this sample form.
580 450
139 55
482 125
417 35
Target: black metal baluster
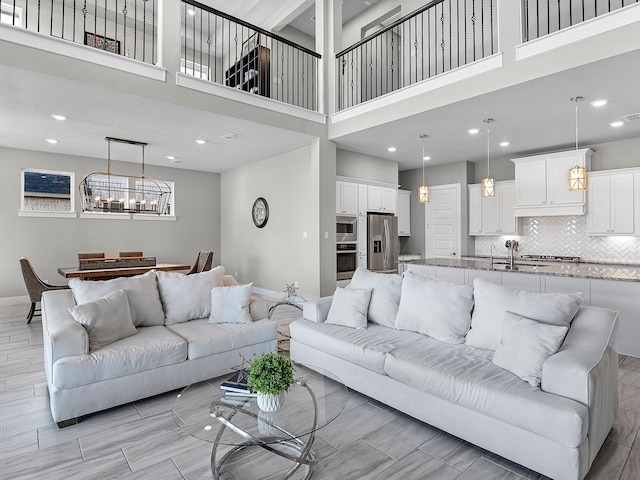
51 20
209 46
215 49
135 29
491 24
38 16
104 43
144 29
583 10
450 37
201 65
154 60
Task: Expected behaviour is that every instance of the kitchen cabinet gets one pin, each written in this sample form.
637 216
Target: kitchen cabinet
542 184
346 198
362 237
404 213
610 203
381 199
362 199
493 215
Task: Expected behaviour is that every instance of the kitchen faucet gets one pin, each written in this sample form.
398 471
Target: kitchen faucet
491 255
512 245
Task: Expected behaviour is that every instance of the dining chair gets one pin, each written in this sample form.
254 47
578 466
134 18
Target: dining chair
203 263
131 254
35 286
85 256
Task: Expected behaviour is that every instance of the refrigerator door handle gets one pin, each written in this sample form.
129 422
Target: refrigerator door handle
387 241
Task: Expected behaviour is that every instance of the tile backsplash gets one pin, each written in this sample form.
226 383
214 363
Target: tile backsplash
566 236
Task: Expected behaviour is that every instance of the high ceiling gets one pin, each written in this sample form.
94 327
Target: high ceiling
534 117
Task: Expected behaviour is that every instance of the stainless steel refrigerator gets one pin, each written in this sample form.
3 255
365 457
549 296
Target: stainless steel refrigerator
382 243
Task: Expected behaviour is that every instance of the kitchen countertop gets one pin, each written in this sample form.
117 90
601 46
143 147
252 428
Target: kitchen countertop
598 270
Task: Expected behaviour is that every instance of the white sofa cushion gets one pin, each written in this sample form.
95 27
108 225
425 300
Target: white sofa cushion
493 301
142 293
349 307
151 347
230 304
465 375
206 339
366 348
106 320
385 294
441 310
525 345
187 297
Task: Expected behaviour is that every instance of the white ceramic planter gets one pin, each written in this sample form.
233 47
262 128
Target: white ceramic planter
268 402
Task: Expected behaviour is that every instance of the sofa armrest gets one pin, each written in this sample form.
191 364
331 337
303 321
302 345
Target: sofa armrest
258 308
317 310
62 335
571 372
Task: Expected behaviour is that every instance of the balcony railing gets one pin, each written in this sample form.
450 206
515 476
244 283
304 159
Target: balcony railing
441 36
542 17
122 27
226 50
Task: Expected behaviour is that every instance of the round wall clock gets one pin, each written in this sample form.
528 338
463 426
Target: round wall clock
260 212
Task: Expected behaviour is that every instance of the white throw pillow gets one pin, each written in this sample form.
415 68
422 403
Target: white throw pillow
187 297
525 345
106 320
441 310
142 292
349 307
492 301
385 294
231 304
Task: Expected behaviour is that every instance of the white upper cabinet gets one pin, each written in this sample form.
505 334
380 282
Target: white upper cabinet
381 199
542 184
493 215
610 206
346 198
404 213
362 199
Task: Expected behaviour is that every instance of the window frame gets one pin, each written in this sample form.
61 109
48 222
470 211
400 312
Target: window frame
48 213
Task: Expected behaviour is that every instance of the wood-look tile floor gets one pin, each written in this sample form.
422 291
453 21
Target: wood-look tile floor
140 440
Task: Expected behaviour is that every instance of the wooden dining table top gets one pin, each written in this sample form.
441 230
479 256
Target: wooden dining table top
75 272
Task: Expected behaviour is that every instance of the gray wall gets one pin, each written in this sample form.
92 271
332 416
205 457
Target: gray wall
366 167
462 173
55 242
278 254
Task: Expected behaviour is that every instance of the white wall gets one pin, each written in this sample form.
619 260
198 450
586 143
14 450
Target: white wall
55 242
366 167
277 254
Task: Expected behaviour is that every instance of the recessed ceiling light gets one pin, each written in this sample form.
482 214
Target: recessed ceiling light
599 103
617 124
504 144
52 140
426 157
59 117
200 141
391 149
170 157
191 11
473 131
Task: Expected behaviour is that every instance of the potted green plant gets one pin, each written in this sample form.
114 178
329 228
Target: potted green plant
270 375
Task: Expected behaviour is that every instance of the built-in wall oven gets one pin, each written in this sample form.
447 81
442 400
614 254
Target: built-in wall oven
347 259
346 228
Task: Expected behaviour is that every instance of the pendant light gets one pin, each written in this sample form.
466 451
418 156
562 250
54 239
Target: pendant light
488 183
423 190
578 174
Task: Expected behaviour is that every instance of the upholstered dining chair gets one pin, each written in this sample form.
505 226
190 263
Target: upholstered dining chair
35 286
130 254
203 263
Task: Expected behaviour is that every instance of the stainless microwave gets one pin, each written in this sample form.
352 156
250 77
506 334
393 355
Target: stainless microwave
346 228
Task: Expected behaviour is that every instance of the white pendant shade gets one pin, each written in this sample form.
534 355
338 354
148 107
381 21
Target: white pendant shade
423 193
577 178
488 187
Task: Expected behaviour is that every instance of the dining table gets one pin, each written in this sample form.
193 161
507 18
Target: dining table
102 273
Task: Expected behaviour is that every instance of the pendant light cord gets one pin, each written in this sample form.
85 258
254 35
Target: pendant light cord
488 149
576 100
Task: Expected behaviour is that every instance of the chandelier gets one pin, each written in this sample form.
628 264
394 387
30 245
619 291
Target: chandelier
577 174
107 192
423 190
488 183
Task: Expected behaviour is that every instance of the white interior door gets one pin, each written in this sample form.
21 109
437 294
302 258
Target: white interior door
442 222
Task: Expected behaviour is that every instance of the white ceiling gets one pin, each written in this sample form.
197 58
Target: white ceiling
535 117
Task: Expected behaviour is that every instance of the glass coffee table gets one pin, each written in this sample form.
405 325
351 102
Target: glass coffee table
242 434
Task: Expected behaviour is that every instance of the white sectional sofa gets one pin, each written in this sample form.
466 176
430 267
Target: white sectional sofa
186 328
552 417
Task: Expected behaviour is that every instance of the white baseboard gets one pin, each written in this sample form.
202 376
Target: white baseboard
15 300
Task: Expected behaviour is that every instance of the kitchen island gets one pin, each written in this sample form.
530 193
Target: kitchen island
607 285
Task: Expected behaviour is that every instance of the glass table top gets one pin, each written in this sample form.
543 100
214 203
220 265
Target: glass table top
195 408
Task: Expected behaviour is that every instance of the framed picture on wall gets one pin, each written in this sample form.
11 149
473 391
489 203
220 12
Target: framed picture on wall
103 43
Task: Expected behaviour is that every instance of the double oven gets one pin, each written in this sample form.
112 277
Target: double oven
346 246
